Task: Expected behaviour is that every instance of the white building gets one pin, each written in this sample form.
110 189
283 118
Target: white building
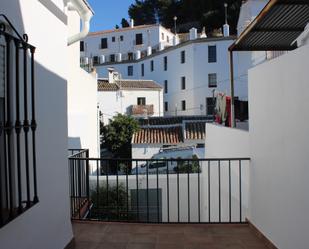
82 98
277 141
189 71
34 192
128 43
138 98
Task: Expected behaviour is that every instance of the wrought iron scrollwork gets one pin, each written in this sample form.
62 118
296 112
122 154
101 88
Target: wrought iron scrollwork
24 37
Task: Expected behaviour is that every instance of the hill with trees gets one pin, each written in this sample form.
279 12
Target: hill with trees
190 13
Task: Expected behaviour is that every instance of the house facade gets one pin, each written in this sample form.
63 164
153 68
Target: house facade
129 43
137 98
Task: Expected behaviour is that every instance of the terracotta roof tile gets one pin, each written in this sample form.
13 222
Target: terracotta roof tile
166 135
104 85
102 32
195 130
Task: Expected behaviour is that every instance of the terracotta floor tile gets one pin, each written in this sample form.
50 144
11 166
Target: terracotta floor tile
103 235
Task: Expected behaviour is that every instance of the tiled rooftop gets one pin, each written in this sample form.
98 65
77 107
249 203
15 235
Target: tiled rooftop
100 235
170 130
158 135
104 85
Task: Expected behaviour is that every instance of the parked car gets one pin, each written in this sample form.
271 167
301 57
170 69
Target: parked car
173 166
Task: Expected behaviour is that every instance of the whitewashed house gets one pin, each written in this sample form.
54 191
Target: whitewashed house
129 43
36 101
189 71
137 98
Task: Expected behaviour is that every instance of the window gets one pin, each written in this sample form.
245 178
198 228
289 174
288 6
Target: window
165 86
183 105
141 101
17 191
212 54
103 43
130 56
95 59
121 38
167 38
142 69
183 57
112 58
151 65
130 70
82 46
162 36
113 39
183 83
210 106
165 63
166 106
212 80
138 39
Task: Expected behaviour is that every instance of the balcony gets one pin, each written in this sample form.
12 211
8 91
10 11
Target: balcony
141 110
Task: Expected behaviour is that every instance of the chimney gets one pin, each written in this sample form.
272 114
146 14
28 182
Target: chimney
149 50
111 71
226 27
193 34
226 30
203 34
132 23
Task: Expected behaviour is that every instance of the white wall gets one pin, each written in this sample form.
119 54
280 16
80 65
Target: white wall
224 142
93 41
82 99
145 151
113 102
47 225
278 106
196 69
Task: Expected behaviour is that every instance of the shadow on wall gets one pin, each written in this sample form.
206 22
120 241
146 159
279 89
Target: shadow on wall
74 143
51 151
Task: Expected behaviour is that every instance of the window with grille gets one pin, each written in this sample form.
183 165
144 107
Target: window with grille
139 39
165 86
183 83
130 70
212 54
183 56
212 80
82 46
183 105
142 69
165 63
141 101
18 185
166 106
103 43
210 105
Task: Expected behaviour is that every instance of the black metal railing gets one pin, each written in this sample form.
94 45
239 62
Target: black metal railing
159 190
18 185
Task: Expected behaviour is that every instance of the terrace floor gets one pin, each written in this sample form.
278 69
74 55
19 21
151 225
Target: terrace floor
103 235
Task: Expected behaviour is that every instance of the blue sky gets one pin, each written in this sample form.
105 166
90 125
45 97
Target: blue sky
108 13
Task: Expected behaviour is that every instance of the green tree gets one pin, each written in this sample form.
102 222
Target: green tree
124 23
118 133
198 13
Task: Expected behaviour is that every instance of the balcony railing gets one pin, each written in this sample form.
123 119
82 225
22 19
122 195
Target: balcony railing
159 190
141 110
